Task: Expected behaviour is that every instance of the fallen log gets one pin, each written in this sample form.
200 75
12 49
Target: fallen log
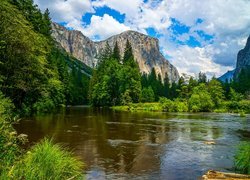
215 175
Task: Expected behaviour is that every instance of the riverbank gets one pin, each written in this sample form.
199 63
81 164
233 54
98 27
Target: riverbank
241 107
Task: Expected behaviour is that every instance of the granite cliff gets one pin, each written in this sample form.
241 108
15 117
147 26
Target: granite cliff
243 62
145 49
243 58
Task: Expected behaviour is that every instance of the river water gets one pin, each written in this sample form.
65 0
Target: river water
123 145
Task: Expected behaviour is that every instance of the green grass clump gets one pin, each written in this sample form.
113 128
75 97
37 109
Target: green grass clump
48 161
242 158
139 107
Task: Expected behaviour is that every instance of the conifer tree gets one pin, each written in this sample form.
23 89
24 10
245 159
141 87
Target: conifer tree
116 52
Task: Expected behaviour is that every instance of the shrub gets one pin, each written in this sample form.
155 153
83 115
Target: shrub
181 106
8 137
234 106
126 99
200 100
44 105
167 104
148 95
48 161
242 158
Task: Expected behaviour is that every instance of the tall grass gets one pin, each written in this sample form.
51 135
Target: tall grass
242 158
48 161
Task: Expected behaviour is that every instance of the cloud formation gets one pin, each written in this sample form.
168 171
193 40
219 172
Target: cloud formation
197 35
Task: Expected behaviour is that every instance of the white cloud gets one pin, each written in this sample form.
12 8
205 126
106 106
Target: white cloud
193 60
105 27
66 10
228 21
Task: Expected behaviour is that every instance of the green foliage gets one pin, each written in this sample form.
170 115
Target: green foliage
181 106
173 106
9 140
202 78
167 104
147 95
114 83
137 107
46 160
40 22
154 81
242 83
238 106
126 99
234 96
242 158
216 91
201 100
34 73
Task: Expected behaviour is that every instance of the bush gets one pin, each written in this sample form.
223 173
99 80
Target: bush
237 106
6 107
148 95
48 161
200 102
9 140
173 106
181 106
167 104
44 105
126 99
242 158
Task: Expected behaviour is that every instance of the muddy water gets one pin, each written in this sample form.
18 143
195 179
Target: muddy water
122 145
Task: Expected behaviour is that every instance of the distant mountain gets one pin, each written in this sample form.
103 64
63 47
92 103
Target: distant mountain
145 49
227 76
243 59
243 62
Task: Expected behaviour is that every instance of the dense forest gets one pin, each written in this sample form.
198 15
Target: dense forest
117 81
39 76
35 73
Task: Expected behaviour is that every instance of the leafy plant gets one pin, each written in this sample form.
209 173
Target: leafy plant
46 160
242 158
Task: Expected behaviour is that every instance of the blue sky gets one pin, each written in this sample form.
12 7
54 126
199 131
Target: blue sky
194 35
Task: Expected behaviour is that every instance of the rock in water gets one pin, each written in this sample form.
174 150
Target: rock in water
215 175
146 49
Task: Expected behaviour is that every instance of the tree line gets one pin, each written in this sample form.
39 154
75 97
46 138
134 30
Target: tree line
38 76
34 73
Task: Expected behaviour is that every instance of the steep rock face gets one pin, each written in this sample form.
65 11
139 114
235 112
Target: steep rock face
243 58
146 49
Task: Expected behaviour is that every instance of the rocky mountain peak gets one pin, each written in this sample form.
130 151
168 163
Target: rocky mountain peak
145 49
243 58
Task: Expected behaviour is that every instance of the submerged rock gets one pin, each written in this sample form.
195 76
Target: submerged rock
210 142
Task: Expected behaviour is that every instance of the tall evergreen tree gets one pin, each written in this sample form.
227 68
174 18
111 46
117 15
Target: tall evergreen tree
166 86
116 52
202 78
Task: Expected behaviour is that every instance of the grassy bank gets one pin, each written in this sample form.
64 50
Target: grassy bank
166 105
45 160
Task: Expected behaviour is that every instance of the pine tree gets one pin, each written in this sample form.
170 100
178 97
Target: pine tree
116 52
128 53
166 86
46 27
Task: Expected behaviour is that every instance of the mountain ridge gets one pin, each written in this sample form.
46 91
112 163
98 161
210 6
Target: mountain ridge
145 49
242 62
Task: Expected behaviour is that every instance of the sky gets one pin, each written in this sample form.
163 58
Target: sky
194 35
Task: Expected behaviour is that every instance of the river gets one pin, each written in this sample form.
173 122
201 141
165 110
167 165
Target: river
123 145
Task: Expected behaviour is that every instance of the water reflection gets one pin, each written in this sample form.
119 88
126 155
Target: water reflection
141 145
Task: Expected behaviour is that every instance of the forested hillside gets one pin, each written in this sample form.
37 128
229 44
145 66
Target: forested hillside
34 73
